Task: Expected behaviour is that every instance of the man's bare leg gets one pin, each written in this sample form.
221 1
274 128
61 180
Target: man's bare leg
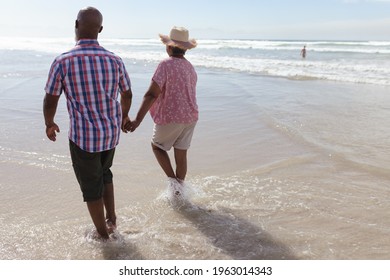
109 204
96 210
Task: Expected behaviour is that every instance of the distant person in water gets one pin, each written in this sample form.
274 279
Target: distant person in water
92 79
303 52
171 99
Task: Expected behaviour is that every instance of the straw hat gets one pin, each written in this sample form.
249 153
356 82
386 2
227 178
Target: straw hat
178 37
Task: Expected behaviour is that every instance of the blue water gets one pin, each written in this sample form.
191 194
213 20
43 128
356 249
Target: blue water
355 62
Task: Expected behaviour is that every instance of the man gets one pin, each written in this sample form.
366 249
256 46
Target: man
171 99
303 52
91 78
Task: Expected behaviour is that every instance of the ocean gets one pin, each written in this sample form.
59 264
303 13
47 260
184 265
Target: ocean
290 158
356 62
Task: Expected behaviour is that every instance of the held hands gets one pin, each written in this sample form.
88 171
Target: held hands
134 125
51 130
128 125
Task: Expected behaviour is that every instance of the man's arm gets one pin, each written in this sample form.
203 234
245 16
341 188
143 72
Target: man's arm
50 103
126 98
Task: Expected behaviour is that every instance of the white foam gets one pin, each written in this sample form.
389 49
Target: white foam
355 62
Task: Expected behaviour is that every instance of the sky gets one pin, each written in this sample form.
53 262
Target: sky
205 19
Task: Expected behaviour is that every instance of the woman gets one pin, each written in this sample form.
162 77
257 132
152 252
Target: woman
171 99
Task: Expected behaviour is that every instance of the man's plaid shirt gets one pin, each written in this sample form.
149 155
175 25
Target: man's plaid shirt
91 78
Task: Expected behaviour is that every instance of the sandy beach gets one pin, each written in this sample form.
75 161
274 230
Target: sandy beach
279 168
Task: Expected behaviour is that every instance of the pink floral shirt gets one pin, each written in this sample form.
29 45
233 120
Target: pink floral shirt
177 79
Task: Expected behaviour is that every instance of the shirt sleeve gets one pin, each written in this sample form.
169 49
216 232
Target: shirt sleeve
160 75
54 81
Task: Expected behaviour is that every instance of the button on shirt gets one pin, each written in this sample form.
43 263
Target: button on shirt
92 79
176 78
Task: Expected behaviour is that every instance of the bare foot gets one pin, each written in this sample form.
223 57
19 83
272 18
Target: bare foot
111 226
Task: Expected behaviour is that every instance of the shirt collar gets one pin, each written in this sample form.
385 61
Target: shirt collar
84 42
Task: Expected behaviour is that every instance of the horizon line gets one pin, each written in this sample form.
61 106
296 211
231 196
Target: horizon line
219 39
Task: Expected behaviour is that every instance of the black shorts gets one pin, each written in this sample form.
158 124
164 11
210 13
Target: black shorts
92 170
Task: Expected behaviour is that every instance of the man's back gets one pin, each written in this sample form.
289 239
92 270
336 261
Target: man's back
91 78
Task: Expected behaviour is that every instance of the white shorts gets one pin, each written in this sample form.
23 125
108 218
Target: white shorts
174 135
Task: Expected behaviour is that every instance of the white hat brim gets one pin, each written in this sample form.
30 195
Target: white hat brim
174 43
